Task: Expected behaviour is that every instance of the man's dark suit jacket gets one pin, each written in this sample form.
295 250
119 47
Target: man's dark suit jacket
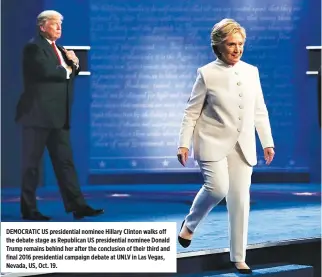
47 97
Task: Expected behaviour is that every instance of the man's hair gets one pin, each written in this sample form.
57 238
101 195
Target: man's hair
46 15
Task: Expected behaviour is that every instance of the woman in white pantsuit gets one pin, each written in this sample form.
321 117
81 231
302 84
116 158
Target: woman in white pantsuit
225 108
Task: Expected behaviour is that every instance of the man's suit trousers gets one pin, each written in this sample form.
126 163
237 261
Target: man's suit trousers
57 141
230 178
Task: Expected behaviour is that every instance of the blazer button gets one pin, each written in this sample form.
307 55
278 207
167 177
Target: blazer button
239 83
239 118
238 130
241 106
240 94
236 73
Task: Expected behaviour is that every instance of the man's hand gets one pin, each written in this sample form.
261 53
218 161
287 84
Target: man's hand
269 154
70 54
182 155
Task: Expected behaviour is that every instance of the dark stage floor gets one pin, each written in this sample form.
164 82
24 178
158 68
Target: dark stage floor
278 211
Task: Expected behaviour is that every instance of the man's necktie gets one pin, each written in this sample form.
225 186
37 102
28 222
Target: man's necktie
56 52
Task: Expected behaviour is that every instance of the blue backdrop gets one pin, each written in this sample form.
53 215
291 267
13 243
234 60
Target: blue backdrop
144 58
143 61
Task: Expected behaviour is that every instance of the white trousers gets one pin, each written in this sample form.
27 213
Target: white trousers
230 178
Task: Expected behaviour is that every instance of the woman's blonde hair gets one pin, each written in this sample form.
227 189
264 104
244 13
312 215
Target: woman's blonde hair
222 30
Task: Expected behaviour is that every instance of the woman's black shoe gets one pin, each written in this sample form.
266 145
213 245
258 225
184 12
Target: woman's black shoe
183 242
242 270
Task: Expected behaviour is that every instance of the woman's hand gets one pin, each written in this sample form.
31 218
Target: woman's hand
269 154
182 155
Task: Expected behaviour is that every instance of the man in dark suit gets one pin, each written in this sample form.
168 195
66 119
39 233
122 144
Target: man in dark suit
44 111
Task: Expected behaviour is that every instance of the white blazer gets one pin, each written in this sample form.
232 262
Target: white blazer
225 107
